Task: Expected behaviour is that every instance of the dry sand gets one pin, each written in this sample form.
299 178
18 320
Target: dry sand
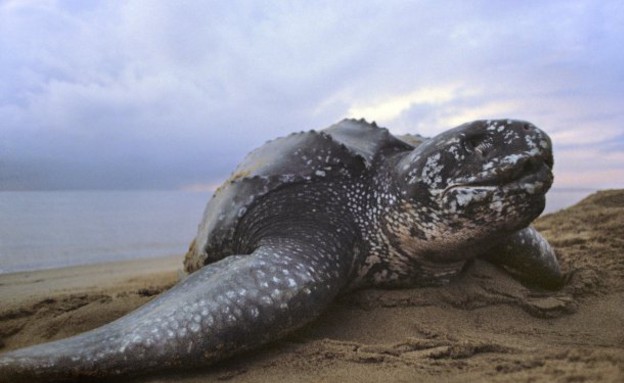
484 326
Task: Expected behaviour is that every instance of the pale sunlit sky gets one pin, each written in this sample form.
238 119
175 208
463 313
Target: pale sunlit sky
172 94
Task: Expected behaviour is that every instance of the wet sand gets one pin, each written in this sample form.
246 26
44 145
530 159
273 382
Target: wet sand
484 326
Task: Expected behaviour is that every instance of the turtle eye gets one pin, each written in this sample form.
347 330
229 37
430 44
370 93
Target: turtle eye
472 143
480 144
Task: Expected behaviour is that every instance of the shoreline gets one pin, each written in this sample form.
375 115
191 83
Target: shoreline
133 232
15 288
98 263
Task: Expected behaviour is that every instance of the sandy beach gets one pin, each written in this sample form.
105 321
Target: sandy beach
484 326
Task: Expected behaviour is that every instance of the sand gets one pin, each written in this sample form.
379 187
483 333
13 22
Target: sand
484 326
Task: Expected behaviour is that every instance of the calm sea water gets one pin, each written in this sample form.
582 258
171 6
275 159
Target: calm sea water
40 230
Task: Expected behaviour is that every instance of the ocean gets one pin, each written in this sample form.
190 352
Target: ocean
43 230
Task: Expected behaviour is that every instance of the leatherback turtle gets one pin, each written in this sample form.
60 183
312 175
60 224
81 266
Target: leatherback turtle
314 214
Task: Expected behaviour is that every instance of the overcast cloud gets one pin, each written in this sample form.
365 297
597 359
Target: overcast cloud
168 95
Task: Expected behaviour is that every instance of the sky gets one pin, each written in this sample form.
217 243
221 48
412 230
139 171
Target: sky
172 95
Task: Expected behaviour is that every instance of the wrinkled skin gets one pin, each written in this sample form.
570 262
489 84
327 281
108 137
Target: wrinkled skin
372 210
457 196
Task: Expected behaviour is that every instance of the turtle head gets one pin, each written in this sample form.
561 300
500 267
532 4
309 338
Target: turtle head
480 178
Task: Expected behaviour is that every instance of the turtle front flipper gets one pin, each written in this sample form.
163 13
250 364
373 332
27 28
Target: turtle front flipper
528 256
233 305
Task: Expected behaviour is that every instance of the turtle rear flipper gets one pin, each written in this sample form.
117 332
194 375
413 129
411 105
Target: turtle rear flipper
529 257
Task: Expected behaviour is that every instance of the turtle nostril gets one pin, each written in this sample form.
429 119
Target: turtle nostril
526 127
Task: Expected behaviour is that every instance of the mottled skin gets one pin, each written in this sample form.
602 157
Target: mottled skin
312 215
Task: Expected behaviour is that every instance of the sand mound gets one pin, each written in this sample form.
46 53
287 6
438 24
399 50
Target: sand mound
483 326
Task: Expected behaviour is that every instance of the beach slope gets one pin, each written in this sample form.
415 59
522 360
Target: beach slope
484 326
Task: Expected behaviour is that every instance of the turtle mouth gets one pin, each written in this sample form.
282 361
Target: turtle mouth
530 174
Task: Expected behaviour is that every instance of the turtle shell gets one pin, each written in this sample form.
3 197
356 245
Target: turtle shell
342 151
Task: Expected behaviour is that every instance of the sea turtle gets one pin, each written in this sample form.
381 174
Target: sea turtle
309 216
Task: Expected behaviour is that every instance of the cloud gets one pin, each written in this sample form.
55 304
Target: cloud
392 107
159 94
589 166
